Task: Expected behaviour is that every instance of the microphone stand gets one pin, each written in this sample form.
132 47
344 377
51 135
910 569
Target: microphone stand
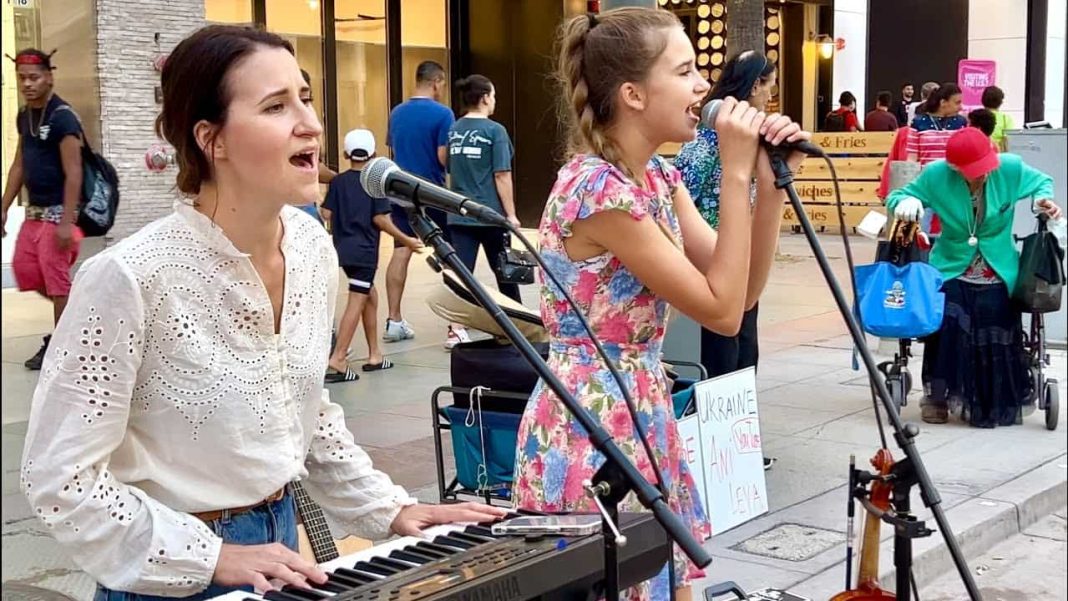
911 468
618 476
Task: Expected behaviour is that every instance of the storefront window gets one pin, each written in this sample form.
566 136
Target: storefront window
362 69
362 60
228 11
424 33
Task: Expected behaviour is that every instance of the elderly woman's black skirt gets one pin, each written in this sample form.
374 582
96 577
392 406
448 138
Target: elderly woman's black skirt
977 359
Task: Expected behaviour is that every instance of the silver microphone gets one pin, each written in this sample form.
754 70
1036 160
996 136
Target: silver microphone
382 178
711 110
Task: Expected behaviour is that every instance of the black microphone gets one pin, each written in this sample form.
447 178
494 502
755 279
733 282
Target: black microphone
382 178
708 117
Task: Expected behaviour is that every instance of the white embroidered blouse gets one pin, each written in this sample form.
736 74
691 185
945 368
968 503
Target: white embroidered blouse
165 391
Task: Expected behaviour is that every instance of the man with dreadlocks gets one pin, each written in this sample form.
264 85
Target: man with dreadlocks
48 163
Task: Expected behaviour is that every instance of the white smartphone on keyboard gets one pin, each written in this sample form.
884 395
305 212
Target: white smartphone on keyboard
557 525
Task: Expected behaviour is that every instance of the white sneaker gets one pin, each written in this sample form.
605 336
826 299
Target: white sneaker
456 336
397 330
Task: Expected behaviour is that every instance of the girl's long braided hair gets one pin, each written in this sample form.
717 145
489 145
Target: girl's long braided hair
596 55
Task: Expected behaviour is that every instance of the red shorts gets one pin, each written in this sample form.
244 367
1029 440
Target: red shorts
39 264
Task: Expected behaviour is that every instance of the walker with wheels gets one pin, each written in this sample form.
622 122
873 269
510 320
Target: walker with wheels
897 375
1044 388
1044 392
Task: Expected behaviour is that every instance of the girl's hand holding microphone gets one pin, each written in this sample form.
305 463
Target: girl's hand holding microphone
738 126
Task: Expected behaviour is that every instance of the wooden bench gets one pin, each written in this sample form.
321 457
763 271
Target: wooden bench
858 159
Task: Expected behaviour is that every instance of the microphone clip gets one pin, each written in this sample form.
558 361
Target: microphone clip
784 176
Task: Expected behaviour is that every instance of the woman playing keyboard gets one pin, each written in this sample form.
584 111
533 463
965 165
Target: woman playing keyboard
183 388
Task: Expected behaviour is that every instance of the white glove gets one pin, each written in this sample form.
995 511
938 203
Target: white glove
909 209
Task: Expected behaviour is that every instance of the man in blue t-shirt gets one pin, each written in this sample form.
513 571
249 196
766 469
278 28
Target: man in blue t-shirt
48 162
419 136
356 223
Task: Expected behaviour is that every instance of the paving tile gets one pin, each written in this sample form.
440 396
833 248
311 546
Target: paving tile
805 468
840 400
861 428
750 575
411 464
778 419
386 430
17 391
379 391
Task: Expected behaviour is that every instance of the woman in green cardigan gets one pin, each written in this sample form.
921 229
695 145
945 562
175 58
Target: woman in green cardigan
977 358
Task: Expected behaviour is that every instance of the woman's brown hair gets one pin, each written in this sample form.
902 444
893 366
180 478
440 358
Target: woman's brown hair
194 90
597 55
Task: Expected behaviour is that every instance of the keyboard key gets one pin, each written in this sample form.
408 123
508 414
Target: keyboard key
347 581
281 596
475 540
332 586
304 593
480 531
442 551
453 542
405 555
400 566
359 577
365 566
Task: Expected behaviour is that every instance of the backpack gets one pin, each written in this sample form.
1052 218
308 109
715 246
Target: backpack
100 188
834 121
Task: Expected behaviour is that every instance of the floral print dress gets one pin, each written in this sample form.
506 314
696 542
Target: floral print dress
554 457
702 172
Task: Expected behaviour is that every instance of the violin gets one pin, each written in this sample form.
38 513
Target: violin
867 587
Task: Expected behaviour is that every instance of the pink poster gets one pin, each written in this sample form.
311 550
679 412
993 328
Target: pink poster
973 76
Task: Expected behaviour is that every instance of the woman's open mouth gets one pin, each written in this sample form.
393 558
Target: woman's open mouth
305 160
694 111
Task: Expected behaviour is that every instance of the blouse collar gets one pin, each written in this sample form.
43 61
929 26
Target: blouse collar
214 235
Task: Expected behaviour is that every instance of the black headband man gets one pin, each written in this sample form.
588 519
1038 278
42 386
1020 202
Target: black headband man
48 162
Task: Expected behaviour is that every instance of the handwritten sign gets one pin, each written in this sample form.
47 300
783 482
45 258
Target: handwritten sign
723 446
690 435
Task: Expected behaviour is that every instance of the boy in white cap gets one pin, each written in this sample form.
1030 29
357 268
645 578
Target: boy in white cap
356 222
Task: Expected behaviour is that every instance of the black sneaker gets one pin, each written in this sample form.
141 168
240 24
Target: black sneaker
34 362
768 462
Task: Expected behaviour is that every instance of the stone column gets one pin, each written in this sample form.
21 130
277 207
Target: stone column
126 51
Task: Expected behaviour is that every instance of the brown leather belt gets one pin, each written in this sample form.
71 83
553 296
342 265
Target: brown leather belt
211 516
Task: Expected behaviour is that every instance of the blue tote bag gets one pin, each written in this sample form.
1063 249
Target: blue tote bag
899 296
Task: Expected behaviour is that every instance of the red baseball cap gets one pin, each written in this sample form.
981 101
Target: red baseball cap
970 151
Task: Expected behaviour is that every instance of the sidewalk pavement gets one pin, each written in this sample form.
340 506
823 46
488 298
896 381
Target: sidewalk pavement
815 412
1029 565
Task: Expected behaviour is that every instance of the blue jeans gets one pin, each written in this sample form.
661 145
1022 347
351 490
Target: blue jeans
270 523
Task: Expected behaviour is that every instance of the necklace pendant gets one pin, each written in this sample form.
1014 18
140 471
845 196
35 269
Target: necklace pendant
973 241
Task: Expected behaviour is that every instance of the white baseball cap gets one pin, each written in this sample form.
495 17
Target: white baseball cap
359 144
